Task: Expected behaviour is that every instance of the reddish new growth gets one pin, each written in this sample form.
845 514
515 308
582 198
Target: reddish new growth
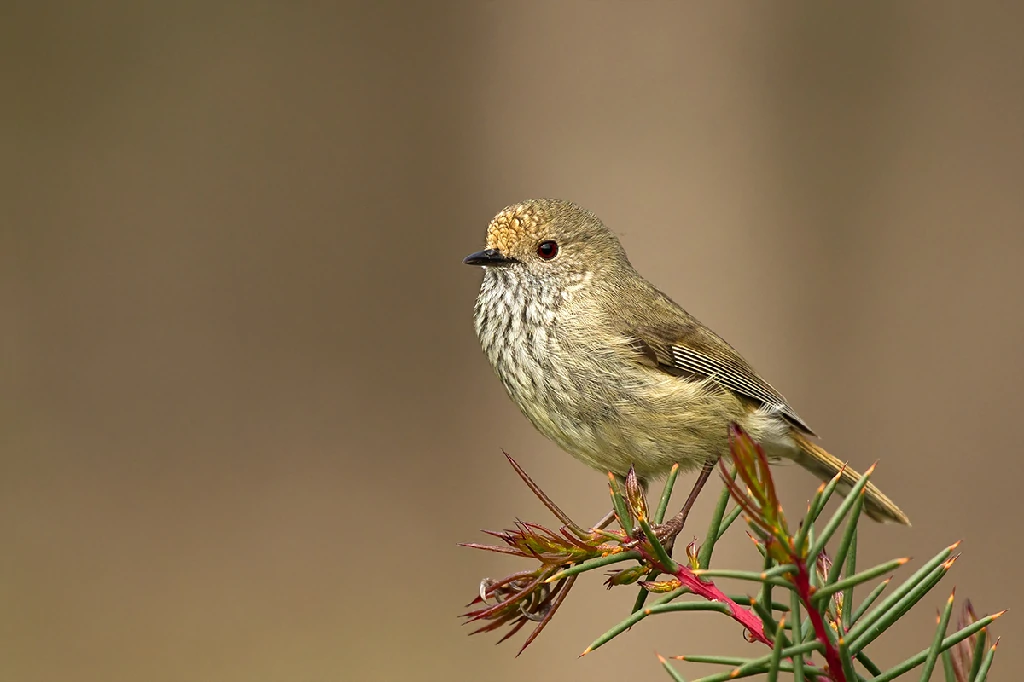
760 503
526 596
966 655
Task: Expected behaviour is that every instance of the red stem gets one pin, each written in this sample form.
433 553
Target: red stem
708 590
802 582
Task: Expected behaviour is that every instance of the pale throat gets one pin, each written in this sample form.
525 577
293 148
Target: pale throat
517 319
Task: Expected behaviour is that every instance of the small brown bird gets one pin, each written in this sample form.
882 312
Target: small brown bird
614 371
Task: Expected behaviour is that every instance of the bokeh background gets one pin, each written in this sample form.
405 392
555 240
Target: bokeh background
244 419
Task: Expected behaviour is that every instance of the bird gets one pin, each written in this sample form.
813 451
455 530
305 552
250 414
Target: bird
614 371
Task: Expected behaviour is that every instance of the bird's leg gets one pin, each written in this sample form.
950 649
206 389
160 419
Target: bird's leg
603 523
668 531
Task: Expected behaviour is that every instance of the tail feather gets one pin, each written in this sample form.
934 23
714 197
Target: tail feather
821 463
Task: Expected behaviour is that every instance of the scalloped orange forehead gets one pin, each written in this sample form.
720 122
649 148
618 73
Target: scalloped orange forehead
514 225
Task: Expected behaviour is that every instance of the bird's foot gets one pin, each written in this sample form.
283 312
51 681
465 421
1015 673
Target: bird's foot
665 532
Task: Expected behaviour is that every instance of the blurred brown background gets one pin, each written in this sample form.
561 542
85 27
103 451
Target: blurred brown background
245 419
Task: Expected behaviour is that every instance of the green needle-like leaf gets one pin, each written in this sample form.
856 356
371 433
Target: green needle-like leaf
743 575
780 570
740 664
688 606
767 619
827 591
714 660
759 547
978 654
868 634
666 493
810 540
922 656
986 664
774 664
728 676
947 667
915 595
814 509
840 514
872 597
727 521
851 568
615 484
800 540
814 578
619 628
747 600
868 664
760 665
591 564
826 495
847 661
920 577
643 593
764 606
845 544
634 618
714 528
940 634
798 659
659 549
673 673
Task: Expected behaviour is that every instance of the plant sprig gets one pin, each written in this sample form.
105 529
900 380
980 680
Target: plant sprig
817 633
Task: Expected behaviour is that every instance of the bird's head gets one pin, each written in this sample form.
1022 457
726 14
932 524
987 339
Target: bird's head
550 241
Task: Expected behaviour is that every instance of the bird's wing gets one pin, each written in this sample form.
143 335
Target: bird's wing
689 349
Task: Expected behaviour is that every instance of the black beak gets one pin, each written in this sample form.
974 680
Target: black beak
490 258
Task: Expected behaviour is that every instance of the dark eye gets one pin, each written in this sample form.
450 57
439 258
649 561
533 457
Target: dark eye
547 249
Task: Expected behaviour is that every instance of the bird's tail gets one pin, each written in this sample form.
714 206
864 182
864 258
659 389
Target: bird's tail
819 462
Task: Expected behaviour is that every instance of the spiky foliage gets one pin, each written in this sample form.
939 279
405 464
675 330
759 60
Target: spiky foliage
814 629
